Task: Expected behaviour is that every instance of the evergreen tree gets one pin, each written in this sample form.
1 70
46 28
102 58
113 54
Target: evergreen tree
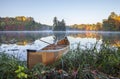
63 25
59 26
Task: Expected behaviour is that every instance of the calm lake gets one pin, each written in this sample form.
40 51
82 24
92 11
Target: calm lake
17 42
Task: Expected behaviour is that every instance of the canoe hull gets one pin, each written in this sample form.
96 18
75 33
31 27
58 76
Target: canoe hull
49 54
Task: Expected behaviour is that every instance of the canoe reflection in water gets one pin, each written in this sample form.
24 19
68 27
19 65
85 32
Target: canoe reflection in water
58 35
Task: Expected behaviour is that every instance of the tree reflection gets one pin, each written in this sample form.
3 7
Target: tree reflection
25 38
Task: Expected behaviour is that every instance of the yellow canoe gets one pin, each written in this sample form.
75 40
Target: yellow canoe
48 54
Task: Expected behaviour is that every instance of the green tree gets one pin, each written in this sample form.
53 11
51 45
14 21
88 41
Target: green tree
63 25
2 25
112 23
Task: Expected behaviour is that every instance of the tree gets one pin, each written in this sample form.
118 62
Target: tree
2 25
113 15
59 26
112 23
55 21
99 26
63 28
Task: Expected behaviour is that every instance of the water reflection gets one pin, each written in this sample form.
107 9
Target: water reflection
112 37
23 37
85 34
12 42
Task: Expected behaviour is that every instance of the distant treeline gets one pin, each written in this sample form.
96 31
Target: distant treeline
21 23
110 24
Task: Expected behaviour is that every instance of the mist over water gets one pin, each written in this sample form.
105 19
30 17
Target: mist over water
14 42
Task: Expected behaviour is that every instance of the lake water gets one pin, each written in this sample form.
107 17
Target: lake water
17 42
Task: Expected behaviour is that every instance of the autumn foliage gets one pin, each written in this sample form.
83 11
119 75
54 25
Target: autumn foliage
19 23
112 23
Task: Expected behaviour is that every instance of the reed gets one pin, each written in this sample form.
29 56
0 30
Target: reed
89 63
8 65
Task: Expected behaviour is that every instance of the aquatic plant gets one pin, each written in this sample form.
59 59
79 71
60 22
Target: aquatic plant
85 61
89 63
21 72
8 65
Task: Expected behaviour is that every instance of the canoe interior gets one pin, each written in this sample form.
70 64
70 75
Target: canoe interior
60 44
49 54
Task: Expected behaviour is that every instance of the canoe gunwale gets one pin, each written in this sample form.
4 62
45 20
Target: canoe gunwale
56 50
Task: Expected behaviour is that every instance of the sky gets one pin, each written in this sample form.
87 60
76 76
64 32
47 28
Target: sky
72 11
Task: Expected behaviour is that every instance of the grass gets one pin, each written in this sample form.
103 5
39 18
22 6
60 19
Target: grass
8 65
106 60
76 64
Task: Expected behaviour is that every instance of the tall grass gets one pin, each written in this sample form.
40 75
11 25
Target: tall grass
77 64
105 60
8 65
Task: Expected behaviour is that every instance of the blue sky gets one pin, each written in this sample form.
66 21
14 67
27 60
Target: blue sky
72 11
